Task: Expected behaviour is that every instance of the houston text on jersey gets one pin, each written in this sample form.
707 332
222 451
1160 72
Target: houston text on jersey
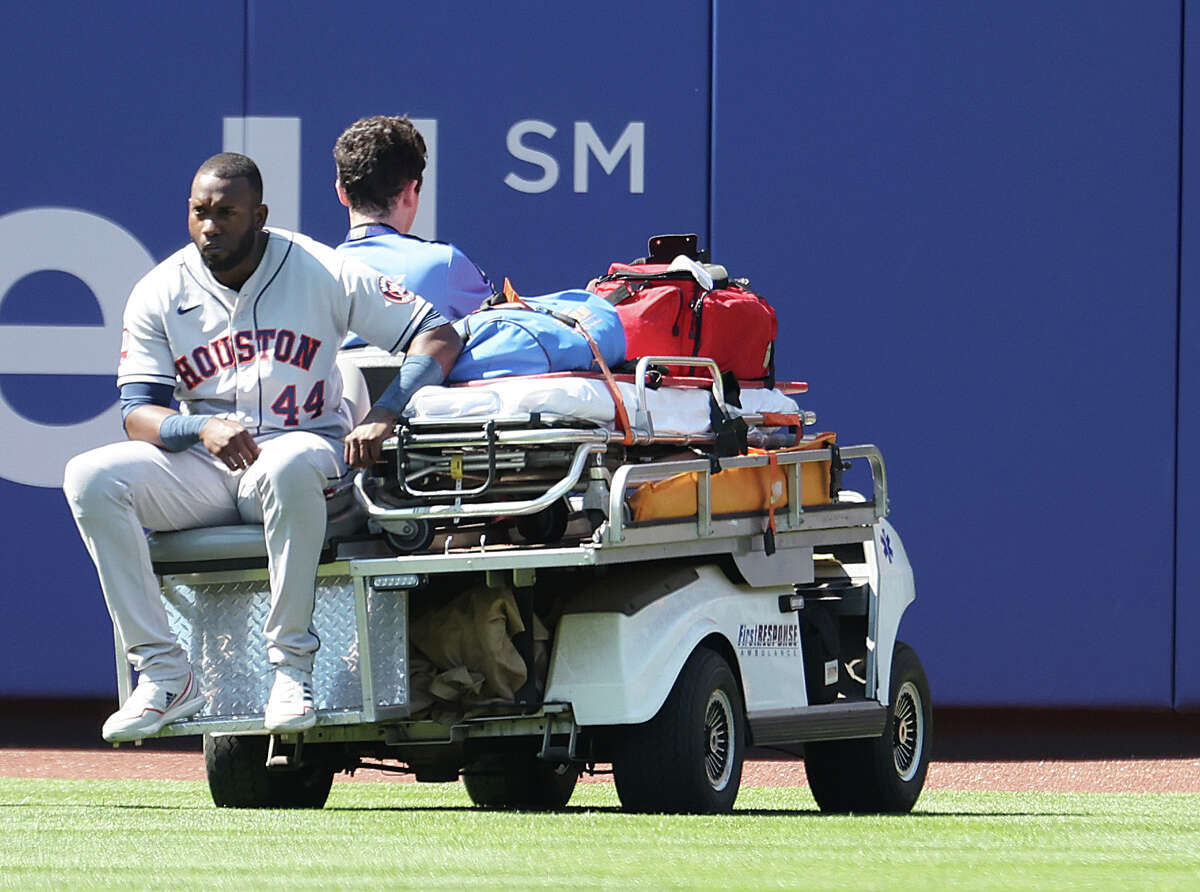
244 347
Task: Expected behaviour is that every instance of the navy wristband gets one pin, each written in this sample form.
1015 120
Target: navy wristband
178 432
418 370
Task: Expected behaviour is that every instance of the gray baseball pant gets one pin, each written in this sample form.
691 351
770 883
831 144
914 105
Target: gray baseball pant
117 490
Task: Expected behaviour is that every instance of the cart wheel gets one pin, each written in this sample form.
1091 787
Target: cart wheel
410 536
520 780
238 777
883 775
688 758
548 525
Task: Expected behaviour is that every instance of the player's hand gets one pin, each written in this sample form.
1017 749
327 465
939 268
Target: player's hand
230 442
363 444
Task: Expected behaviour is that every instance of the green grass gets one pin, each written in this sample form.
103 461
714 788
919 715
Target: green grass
138 834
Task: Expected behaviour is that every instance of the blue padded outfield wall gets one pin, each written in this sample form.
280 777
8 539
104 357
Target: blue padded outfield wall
980 225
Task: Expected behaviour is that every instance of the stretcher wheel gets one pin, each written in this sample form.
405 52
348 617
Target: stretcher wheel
883 775
547 525
410 536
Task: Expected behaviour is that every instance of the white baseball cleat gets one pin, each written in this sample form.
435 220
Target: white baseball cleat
152 705
290 707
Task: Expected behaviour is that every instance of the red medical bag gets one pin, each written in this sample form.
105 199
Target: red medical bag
668 313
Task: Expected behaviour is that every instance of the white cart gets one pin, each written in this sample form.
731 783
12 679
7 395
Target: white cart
673 647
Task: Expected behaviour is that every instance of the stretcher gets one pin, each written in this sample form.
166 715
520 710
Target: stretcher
540 452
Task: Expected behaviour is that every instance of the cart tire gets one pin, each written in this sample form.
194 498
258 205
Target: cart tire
414 536
547 526
883 775
520 781
236 766
688 758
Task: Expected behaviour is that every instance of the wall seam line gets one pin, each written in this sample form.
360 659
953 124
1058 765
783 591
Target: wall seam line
245 66
710 198
1179 198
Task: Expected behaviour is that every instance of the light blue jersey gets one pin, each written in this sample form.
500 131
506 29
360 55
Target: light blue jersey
438 271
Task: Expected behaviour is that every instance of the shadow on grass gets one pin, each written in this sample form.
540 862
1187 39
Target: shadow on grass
569 810
120 807
737 813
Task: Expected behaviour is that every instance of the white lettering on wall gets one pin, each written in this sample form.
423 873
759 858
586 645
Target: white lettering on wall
425 223
632 142
274 144
588 144
522 152
109 260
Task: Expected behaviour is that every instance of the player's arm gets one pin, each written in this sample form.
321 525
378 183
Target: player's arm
428 360
149 417
442 343
146 377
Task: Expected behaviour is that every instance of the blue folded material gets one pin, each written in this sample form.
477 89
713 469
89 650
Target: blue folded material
512 340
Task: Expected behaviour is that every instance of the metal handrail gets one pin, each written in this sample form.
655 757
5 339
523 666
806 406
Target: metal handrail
524 437
642 420
630 474
480 509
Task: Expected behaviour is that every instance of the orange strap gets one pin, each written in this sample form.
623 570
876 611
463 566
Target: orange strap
780 419
510 294
772 466
611 382
769 532
784 419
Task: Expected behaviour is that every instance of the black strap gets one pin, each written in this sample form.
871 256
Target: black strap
732 389
730 432
618 294
836 467
719 274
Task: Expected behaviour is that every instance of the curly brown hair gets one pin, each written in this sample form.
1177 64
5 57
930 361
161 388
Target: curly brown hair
376 159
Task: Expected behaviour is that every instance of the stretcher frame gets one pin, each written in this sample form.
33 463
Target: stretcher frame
584 443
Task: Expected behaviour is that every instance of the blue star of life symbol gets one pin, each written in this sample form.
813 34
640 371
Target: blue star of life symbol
887 547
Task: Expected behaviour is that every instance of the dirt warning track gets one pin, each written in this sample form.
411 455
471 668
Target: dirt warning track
1089 751
1178 775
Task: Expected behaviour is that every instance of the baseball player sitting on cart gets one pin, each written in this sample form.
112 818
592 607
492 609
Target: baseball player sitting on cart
241 327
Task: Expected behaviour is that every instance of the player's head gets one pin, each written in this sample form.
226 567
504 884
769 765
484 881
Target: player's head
379 159
226 213
232 166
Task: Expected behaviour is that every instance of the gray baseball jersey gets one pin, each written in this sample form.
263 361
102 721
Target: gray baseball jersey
263 356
